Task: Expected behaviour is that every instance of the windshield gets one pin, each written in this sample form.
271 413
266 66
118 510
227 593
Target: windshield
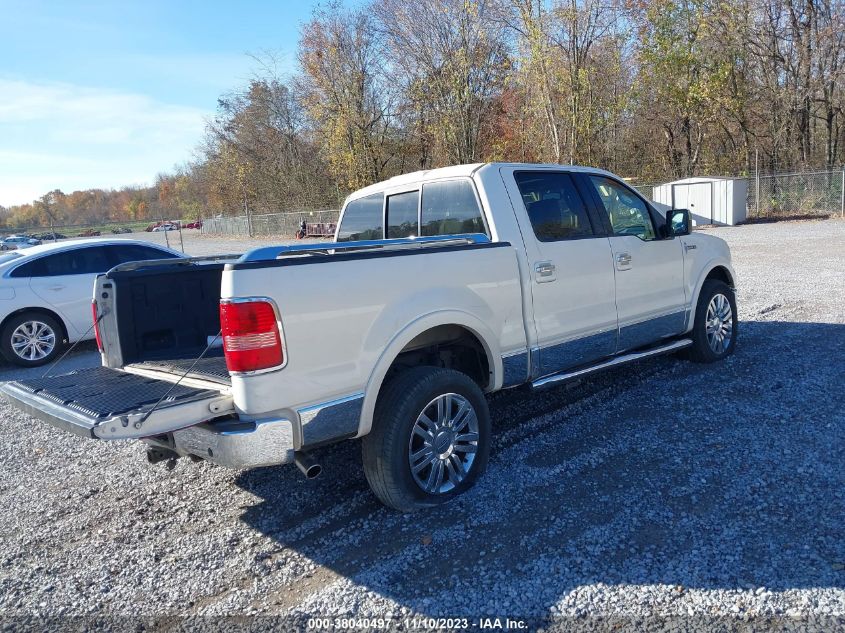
5 258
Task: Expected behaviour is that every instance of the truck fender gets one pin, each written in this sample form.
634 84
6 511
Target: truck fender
706 269
411 331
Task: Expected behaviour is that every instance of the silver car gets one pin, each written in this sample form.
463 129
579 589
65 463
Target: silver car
14 242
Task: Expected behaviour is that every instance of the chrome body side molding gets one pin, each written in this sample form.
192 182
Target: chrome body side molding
634 335
619 360
575 352
331 420
514 369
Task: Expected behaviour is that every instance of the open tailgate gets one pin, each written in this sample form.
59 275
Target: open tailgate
112 404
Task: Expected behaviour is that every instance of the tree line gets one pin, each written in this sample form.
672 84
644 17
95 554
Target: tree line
652 89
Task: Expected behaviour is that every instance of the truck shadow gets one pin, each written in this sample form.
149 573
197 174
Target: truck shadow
723 476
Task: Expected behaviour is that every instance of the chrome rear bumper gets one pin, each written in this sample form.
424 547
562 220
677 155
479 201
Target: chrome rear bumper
238 444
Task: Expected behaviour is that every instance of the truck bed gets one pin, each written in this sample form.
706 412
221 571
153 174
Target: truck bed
161 318
210 367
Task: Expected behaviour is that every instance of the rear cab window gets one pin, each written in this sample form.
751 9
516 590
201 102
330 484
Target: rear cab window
450 207
363 219
402 213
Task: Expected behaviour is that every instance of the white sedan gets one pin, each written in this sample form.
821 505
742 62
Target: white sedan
46 292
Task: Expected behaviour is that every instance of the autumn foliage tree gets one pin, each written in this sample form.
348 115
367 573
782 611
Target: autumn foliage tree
647 88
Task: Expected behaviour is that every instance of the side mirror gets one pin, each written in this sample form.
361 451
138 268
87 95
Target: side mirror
678 222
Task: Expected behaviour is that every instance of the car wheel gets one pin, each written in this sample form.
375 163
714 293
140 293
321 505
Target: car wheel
430 438
714 331
31 339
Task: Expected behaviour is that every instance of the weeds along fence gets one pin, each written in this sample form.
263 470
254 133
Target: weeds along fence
787 195
277 224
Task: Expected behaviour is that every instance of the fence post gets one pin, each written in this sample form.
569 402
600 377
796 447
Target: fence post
842 195
757 181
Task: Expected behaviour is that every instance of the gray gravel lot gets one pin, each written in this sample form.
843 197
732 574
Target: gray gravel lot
664 488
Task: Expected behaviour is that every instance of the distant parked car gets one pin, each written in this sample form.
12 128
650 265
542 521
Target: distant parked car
53 236
14 242
156 226
194 225
46 293
165 227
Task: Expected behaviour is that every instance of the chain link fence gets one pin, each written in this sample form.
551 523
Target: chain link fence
796 195
783 196
270 224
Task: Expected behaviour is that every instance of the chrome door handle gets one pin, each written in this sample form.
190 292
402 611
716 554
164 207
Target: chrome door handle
623 261
690 247
544 271
57 287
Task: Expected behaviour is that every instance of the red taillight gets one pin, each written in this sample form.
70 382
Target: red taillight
96 325
251 339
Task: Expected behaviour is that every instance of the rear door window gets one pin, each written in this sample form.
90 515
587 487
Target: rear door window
450 208
554 206
362 219
79 261
402 212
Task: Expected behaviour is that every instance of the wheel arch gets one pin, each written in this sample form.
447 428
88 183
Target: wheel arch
722 273
39 310
430 330
716 269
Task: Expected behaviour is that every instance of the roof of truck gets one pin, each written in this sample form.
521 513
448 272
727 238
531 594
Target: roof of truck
455 171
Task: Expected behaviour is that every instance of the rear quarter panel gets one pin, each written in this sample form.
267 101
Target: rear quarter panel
345 321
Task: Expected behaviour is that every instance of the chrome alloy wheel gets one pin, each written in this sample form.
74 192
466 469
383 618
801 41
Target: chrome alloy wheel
443 443
33 340
719 324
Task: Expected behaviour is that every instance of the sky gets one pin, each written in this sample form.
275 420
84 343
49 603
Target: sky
110 93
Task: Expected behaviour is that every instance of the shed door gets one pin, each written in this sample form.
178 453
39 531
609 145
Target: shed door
698 198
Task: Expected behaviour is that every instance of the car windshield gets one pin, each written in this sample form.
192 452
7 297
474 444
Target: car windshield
5 258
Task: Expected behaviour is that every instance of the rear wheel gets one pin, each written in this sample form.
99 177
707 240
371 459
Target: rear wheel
31 339
430 439
714 330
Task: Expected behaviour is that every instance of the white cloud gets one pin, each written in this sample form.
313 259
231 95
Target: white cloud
58 135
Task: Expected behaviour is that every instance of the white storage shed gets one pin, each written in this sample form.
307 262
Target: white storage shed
709 200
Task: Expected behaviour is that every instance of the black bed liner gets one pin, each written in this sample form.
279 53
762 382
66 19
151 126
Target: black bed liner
166 312
101 393
211 367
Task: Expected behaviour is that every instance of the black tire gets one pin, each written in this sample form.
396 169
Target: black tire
386 450
16 321
701 351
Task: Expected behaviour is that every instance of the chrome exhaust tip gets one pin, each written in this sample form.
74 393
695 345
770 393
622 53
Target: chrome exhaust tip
306 464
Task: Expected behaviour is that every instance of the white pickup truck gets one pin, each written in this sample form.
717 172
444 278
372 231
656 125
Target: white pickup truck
440 286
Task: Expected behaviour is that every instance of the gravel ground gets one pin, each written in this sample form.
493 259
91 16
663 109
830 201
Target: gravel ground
664 489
